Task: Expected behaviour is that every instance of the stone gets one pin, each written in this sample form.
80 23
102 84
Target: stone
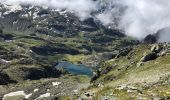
163 53
107 69
5 79
156 48
148 57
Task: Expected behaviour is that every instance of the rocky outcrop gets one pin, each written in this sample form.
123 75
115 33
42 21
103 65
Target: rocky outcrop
5 36
106 70
150 39
157 50
32 72
124 51
47 50
95 76
149 56
158 37
103 71
5 79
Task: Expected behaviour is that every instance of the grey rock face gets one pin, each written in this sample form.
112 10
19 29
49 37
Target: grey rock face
151 39
5 79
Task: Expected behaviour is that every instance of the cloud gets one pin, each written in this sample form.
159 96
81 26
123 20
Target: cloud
164 35
137 18
143 17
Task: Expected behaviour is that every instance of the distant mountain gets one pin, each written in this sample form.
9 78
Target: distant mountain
33 19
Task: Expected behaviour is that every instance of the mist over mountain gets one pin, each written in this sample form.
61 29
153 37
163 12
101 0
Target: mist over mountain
136 18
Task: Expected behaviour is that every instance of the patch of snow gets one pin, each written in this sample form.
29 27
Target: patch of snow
58 10
74 23
63 12
56 83
14 94
12 8
8 41
35 90
28 96
2 61
50 29
24 15
35 15
18 47
17 93
30 50
15 22
44 95
75 90
0 14
45 7
37 26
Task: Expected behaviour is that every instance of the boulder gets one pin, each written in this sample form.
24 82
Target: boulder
89 25
90 22
156 48
149 56
110 78
162 53
95 76
5 79
124 52
107 69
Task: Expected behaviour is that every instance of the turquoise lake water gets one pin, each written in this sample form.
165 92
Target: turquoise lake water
76 69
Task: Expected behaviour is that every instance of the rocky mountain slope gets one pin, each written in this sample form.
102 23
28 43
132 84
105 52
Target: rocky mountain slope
143 73
34 39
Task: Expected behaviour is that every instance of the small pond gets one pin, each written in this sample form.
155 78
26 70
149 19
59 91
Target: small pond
75 69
